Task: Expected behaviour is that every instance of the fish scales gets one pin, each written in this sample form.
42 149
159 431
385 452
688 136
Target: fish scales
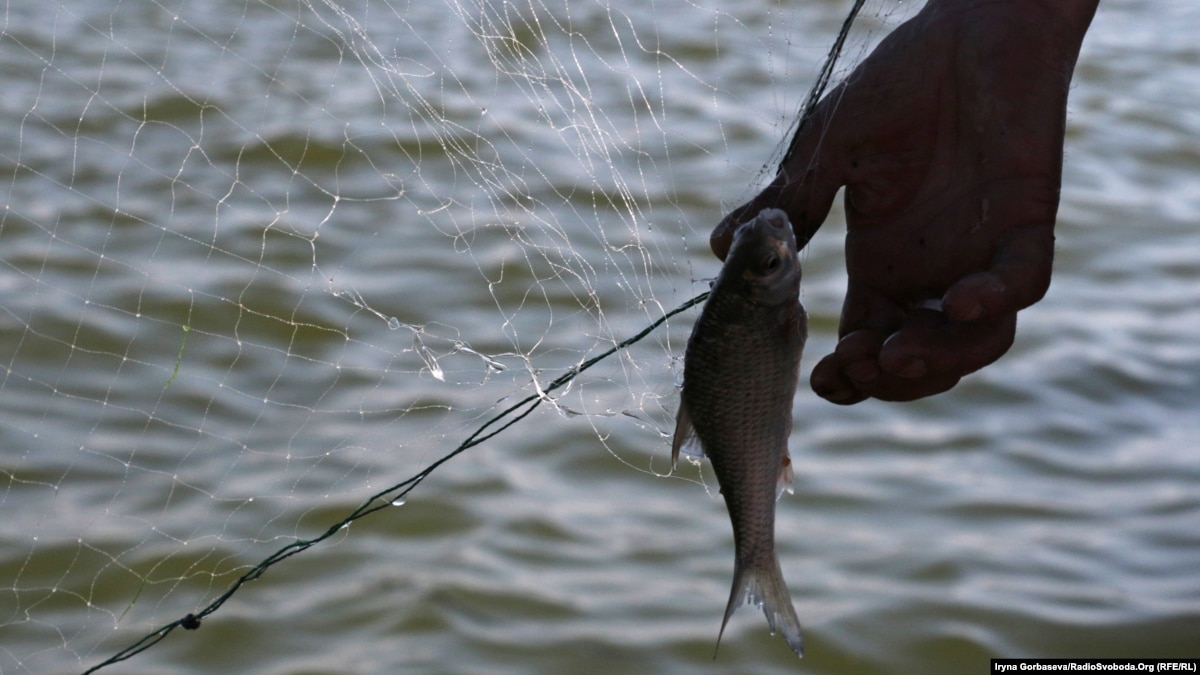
741 369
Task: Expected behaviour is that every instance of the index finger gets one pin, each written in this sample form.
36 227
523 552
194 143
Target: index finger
804 187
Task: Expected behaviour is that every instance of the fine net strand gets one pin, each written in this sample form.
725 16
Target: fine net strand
261 258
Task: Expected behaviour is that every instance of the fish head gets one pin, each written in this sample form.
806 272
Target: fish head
764 258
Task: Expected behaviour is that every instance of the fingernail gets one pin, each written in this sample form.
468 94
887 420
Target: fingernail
863 371
833 394
913 370
973 313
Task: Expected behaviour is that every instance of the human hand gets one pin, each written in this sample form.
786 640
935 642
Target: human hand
948 139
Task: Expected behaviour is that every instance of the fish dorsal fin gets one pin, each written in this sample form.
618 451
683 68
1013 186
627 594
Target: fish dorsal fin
786 475
685 439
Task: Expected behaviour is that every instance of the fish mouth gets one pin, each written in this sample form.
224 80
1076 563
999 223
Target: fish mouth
771 225
775 219
771 219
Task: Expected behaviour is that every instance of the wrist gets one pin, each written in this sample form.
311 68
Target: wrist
1071 17
1053 28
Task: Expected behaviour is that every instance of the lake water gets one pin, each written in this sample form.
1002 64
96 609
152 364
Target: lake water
262 260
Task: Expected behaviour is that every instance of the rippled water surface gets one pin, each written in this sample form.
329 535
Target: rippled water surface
261 261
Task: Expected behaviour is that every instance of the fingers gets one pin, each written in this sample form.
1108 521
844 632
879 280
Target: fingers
844 376
1019 277
896 353
927 356
932 350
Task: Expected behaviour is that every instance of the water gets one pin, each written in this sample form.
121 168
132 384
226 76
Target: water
249 282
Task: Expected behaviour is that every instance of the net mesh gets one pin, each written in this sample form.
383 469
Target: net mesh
264 261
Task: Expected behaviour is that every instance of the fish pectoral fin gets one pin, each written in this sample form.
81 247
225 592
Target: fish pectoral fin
786 476
685 439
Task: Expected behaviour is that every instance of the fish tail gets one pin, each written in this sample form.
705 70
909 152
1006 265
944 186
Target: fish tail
763 586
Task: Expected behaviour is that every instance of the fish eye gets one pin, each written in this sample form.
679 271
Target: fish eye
771 263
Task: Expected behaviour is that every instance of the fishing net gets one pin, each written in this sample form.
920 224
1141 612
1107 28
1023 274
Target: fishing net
267 265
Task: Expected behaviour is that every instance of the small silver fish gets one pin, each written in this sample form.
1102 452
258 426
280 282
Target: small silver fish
740 373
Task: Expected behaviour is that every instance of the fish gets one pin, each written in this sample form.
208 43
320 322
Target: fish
740 372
